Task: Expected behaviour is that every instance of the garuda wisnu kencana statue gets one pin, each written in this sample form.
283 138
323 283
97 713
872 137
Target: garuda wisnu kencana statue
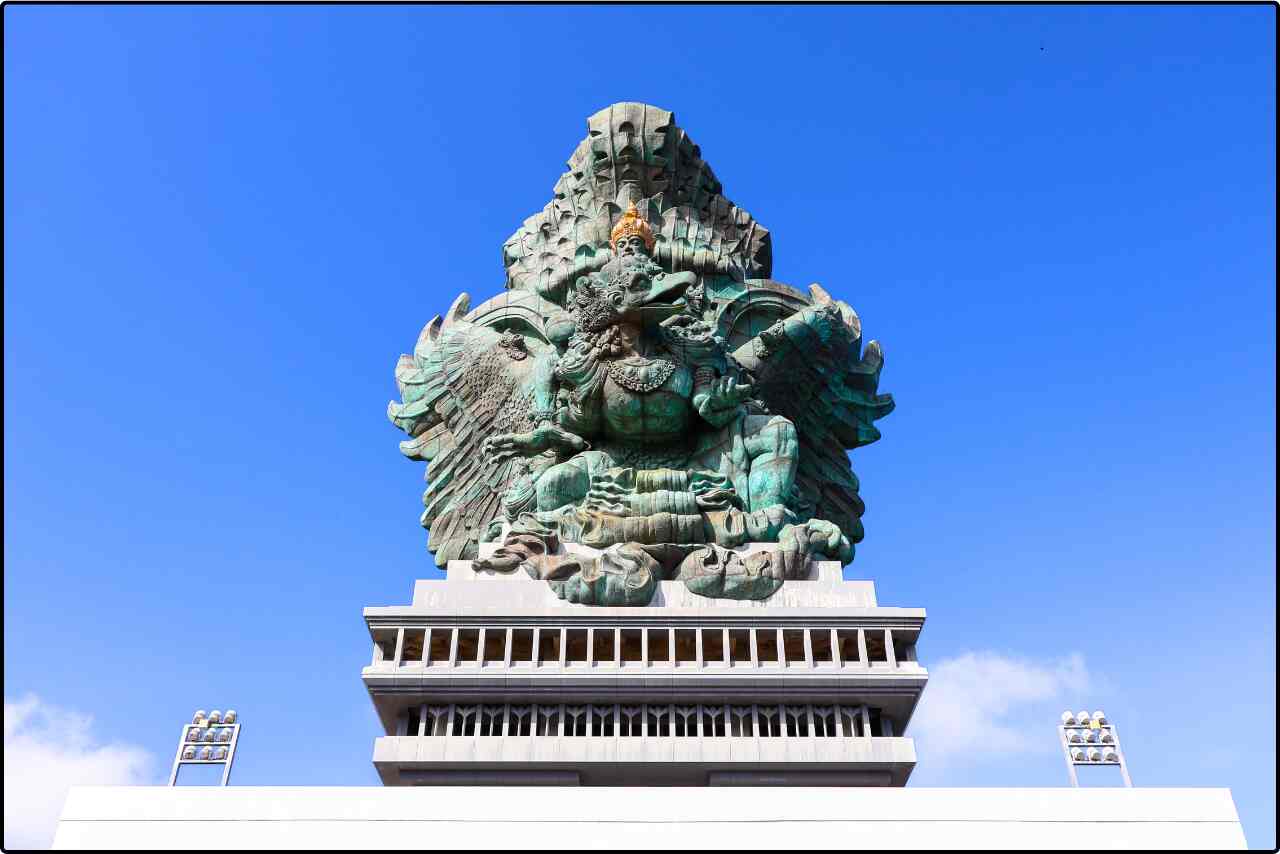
642 389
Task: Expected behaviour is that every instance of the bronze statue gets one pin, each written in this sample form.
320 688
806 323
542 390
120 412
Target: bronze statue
637 392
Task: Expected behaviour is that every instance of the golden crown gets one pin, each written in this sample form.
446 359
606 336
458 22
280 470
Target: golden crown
632 224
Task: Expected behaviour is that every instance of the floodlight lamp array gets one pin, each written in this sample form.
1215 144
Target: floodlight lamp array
210 739
1090 739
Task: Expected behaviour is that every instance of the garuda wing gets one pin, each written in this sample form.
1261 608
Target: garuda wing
810 368
463 383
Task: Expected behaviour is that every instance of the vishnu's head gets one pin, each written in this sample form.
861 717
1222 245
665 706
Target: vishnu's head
632 236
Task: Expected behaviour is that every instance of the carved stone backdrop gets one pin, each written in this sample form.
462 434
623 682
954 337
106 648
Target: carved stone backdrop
636 153
643 392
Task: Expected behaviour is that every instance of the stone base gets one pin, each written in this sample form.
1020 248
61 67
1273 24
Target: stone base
825 587
645 818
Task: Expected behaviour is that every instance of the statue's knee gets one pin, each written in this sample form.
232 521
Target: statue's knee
562 484
783 437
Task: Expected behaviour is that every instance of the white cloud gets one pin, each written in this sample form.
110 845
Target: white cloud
46 750
1007 699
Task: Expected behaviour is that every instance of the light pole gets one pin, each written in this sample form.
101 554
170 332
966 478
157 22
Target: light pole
208 740
1090 740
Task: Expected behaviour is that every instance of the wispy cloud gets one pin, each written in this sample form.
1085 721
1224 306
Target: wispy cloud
1007 698
46 750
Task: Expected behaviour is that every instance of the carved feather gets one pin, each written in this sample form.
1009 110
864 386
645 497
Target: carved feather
809 368
457 388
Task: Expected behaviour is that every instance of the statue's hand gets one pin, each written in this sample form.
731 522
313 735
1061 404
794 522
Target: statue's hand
725 394
545 436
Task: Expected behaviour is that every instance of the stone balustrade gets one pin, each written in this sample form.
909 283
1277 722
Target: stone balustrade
641 648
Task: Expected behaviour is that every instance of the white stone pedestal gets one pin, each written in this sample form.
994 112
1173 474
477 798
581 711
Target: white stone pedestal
605 818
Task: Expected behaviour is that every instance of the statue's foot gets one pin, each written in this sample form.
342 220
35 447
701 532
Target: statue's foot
623 575
798 545
503 561
826 539
719 573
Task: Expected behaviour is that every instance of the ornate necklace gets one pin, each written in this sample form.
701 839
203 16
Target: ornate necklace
640 374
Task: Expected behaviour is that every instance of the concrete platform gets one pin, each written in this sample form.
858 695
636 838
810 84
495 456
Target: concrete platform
656 761
629 818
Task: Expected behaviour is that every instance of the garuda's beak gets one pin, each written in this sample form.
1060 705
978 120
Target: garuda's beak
665 297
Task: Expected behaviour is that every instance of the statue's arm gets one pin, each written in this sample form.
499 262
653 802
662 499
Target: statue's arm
717 399
549 432
544 387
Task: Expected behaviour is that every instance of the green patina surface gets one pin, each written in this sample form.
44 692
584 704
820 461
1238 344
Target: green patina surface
643 388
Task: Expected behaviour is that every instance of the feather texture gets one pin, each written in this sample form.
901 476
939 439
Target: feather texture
809 367
460 386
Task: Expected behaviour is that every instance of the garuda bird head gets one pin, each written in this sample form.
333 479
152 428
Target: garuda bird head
628 289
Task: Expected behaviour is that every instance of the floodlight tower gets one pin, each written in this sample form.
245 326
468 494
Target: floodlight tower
210 739
1090 740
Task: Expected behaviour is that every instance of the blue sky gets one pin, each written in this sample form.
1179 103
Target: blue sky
223 225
